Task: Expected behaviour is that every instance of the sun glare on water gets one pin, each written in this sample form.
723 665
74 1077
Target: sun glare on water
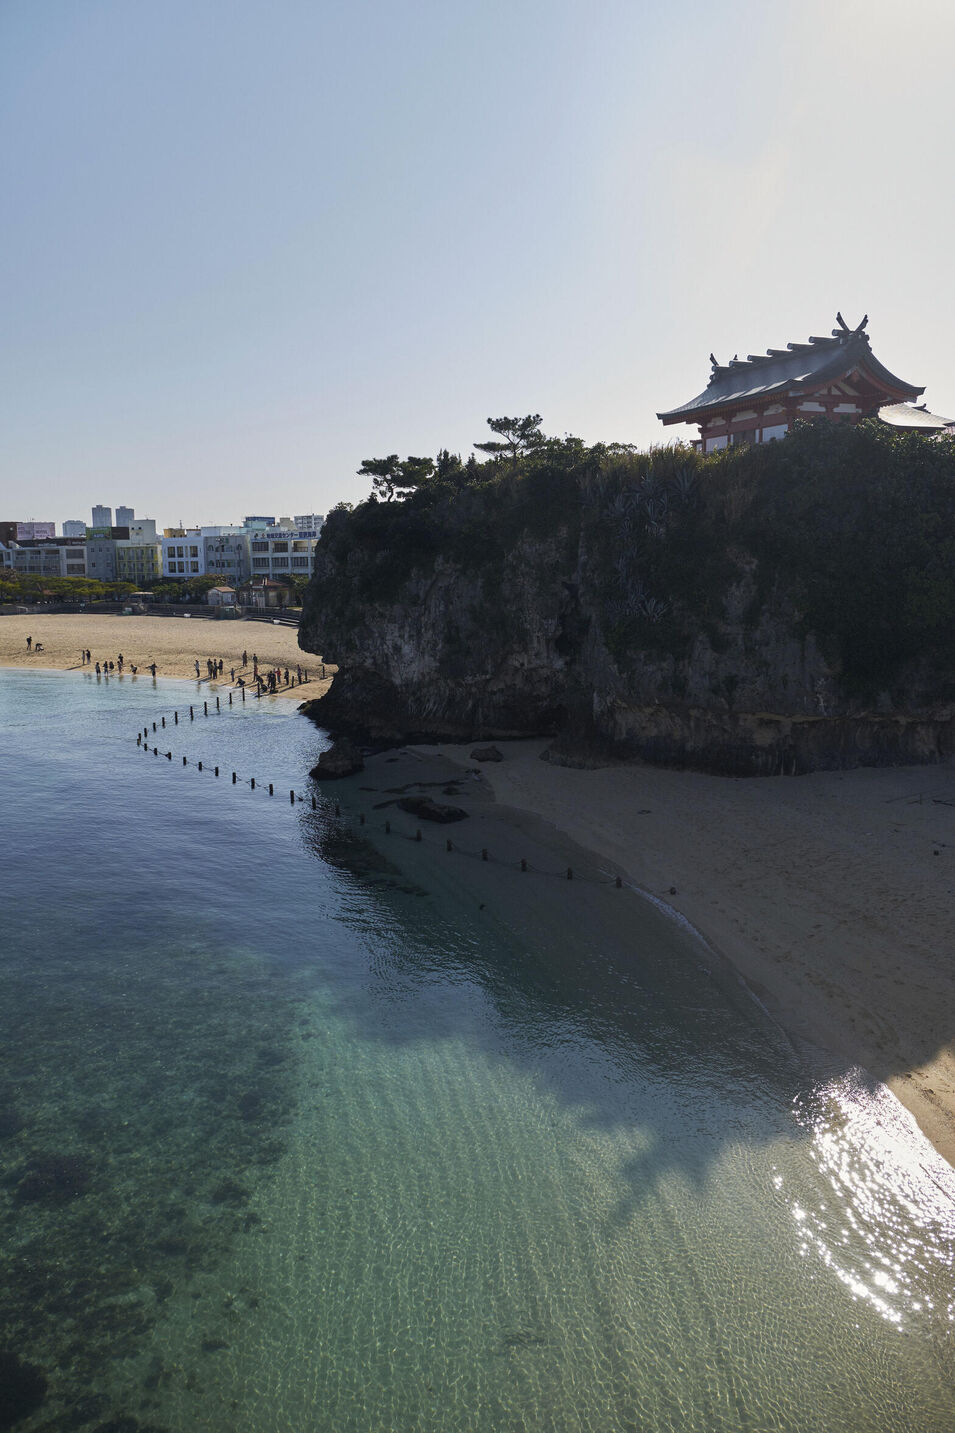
887 1228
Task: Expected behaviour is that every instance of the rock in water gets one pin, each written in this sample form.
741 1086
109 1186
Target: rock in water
429 810
341 759
486 753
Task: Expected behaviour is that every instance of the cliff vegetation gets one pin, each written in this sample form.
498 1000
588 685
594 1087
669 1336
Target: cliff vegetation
763 609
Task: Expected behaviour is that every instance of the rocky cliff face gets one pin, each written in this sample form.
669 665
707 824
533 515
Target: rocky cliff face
617 626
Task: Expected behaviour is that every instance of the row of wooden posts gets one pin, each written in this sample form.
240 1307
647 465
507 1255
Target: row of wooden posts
142 740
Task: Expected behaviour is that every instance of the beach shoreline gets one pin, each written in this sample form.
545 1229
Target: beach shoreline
829 895
175 644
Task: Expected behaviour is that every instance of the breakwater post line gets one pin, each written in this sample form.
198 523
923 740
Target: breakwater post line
334 816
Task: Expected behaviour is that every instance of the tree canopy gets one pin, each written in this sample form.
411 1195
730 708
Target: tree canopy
516 436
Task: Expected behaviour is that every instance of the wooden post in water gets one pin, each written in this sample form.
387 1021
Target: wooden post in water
217 771
523 864
183 761
218 708
205 708
253 783
271 789
291 797
233 778
192 715
175 717
199 764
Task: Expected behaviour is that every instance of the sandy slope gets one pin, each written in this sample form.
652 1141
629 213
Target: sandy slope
832 894
173 643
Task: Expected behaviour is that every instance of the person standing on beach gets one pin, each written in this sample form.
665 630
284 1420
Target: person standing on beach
197 669
29 643
245 658
89 656
97 668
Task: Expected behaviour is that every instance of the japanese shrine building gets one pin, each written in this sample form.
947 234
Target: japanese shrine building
754 400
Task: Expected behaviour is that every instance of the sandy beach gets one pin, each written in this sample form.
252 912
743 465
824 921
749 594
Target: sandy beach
175 644
831 894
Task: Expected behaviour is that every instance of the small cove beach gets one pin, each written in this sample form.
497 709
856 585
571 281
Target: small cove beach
831 894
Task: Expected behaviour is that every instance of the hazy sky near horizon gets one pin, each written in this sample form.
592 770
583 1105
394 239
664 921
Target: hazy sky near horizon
247 244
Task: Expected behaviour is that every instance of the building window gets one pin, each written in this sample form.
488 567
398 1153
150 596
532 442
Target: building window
280 547
193 552
260 547
261 564
193 567
300 562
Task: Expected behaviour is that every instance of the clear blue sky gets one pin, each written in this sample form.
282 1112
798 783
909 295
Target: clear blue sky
247 243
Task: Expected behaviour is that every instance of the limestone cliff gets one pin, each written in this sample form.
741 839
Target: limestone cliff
766 611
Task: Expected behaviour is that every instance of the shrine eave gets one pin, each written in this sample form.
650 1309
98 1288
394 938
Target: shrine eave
795 371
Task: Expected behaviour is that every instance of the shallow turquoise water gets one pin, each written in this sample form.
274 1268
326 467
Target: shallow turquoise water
302 1129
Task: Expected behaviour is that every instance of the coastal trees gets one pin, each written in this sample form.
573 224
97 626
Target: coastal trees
516 437
391 475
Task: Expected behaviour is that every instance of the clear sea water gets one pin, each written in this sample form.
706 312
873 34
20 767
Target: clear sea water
304 1127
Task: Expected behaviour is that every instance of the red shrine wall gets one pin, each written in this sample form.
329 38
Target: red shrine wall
764 424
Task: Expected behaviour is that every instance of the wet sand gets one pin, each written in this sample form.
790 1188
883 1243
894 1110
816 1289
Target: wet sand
831 895
175 644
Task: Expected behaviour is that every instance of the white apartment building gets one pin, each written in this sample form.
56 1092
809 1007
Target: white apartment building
74 527
280 552
182 552
206 552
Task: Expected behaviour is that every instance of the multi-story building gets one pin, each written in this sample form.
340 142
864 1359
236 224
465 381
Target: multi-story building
226 553
74 527
102 516
138 562
26 531
42 558
125 517
206 552
182 552
101 558
280 553
309 524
